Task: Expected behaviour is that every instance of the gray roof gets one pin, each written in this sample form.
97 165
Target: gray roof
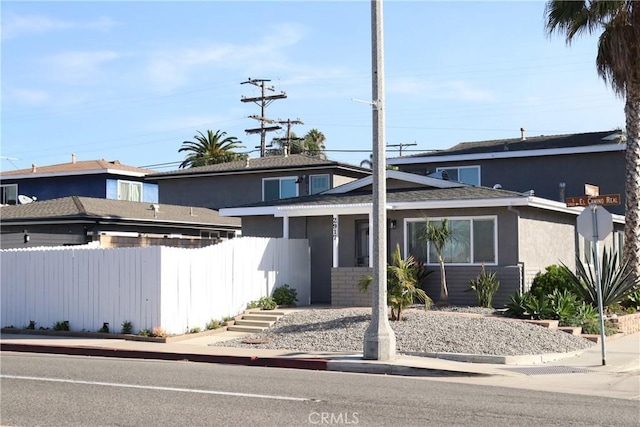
396 195
293 161
542 142
88 208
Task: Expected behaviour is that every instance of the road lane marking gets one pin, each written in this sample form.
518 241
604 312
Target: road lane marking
147 387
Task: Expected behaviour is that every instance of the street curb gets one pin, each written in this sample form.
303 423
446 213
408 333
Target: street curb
532 359
390 369
267 362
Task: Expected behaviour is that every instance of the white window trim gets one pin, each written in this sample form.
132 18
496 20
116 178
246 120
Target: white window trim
464 167
122 181
457 218
319 175
3 186
280 178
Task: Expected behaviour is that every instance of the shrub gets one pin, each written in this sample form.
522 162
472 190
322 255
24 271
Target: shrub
485 287
402 281
158 331
617 280
32 325
264 303
213 324
61 326
562 304
284 295
105 328
593 328
632 300
554 277
127 327
195 330
517 305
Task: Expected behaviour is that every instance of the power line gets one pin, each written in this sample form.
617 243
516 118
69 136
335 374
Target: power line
263 101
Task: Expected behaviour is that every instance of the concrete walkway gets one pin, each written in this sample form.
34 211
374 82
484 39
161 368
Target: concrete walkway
581 373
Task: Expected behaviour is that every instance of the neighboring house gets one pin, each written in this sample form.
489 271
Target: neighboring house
113 223
553 166
513 234
253 180
88 178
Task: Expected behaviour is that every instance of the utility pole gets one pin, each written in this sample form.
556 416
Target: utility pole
401 145
288 140
263 101
379 338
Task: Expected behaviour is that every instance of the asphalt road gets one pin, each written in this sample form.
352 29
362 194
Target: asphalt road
73 390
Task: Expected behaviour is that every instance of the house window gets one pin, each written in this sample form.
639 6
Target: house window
474 241
9 194
130 190
465 174
318 183
209 234
279 188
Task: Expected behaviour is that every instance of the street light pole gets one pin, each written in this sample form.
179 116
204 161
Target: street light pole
379 339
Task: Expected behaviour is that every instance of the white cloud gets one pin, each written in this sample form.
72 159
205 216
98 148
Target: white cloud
28 97
78 66
455 89
169 69
14 26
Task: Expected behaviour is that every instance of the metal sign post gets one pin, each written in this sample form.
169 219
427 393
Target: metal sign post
596 262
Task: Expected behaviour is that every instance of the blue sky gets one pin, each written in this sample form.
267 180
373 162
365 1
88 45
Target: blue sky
132 80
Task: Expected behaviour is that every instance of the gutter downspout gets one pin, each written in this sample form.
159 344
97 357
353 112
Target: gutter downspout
520 264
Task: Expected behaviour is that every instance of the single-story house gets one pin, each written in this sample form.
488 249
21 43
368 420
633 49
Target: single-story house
514 234
113 223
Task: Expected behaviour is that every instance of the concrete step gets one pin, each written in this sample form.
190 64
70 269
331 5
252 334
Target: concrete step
573 330
552 324
249 329
260 317
268 312
250 322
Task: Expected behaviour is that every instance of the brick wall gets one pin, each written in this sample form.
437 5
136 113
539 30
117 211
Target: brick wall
344 287
627 324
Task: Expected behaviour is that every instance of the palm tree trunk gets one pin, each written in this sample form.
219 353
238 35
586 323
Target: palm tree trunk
632 177
444 292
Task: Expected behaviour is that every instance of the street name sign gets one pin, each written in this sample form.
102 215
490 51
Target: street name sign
584 201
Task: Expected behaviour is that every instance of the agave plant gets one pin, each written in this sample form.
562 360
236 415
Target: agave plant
617 280
403 278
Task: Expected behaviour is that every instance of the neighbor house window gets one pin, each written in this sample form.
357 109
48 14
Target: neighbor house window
279 188
9 194
130 190
465 174
474 241
209 234
318 183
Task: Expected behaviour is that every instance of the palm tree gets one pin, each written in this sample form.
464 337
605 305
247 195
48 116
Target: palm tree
211 149
618 63
314 143
439 236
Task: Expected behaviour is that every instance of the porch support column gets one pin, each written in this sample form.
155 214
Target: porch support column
371 240
285 227
336 240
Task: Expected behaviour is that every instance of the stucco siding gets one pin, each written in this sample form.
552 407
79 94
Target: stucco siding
546 238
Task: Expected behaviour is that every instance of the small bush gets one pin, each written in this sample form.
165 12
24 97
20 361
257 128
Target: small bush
517 305
554 277
562 304
593 328
213 324
144 333
284 295
61 326
32 325
485 287
127 327
632 301
105 328
158 331
264 303
226 320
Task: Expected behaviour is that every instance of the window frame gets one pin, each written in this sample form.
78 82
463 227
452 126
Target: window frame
130 184
3 195
471 218
280 179
324 175
477 167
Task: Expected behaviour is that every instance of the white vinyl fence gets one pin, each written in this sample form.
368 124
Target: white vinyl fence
173 288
